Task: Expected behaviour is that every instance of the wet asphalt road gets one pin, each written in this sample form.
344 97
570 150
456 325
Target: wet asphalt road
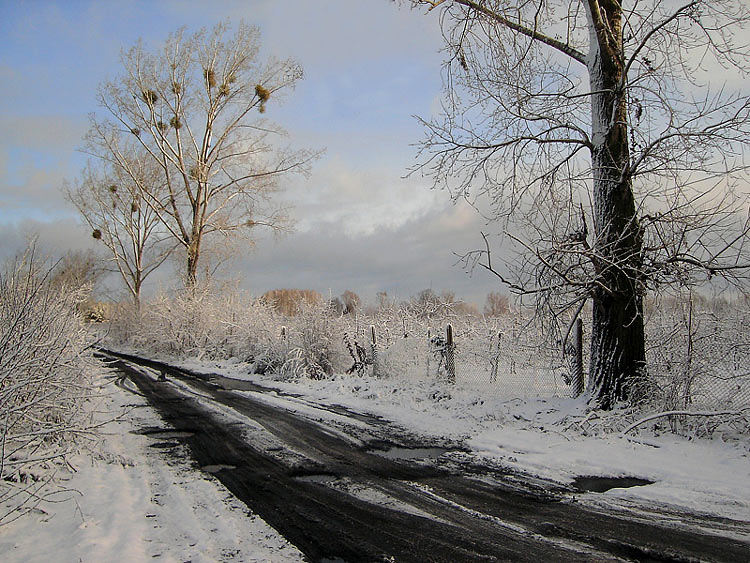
357 488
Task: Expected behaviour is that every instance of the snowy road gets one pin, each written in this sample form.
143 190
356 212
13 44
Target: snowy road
342 486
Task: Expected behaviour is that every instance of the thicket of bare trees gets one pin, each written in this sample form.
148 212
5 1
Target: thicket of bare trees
608 141
290 302
496 304
182 139
77 269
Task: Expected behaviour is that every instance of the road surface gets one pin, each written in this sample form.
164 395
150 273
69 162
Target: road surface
350 487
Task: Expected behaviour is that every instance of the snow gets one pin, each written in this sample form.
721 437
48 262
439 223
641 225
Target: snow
127 503
703 476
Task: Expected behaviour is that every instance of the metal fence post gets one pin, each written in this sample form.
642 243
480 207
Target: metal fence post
374 350
450 357
578 359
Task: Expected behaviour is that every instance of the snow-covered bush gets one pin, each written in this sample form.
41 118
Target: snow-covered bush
699 358
196 323
310 351
201 324
45 376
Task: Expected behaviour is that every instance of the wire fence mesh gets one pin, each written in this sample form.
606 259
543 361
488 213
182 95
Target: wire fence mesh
699 360
500 361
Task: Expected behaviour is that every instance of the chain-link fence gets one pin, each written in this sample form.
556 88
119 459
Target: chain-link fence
510 363
700 359
695 360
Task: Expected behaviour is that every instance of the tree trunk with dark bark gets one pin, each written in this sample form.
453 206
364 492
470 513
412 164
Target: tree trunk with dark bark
617 342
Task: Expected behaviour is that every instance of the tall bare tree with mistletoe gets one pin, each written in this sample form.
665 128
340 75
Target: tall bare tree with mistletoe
194 107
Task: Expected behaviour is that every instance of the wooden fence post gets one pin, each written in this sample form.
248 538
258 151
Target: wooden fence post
284 343
495 358
578 359
450 357
374 350
429 350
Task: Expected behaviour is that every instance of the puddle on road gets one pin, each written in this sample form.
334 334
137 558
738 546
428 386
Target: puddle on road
410 454
326 479
593 484
164 445
164 433
217 467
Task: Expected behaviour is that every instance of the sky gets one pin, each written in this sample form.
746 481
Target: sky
370 67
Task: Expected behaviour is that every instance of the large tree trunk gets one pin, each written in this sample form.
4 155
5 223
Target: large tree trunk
193 253
137 283
617 341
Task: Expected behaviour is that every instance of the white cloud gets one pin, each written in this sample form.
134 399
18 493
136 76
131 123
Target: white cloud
359 200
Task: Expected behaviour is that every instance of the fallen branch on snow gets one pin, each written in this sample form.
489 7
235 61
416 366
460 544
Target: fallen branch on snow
680 413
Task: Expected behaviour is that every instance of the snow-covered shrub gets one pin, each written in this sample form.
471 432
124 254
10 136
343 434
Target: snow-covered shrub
310 351
45 376
698 360
196 323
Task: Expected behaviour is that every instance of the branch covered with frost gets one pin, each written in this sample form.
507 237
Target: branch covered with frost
45 364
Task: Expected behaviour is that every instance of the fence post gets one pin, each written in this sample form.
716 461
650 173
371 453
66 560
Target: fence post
284 343
429 350
578 359
374 350
495 358
450 357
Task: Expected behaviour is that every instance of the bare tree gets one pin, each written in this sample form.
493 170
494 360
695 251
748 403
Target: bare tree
291 302
496 304
384 301
77 269
110 199
601 138
192 106
351 302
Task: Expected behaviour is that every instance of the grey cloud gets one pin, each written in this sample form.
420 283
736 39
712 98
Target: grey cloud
402 261
53 238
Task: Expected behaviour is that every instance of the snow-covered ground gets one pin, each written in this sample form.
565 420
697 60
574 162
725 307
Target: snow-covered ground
126 503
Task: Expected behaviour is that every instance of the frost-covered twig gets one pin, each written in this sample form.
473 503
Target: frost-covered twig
45 374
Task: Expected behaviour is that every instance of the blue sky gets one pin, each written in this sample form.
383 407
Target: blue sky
370 66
